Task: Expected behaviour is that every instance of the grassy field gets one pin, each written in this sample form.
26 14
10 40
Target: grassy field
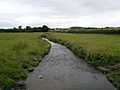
19 54
103 51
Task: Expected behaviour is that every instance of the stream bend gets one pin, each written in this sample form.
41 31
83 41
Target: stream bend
62 70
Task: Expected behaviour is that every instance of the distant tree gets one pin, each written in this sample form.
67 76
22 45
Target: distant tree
2 30
45 28
15 28
40 29
28 28
19 27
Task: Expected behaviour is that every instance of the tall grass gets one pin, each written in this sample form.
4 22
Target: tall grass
19 52
98 49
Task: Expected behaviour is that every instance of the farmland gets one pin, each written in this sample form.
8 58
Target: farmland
103 51
19 54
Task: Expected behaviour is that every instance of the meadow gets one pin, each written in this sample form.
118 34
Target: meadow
100 50
19 54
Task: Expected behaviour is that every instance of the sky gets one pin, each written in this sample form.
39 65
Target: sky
59 13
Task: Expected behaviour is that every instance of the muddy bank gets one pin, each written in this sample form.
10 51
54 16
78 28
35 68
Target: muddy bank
62 70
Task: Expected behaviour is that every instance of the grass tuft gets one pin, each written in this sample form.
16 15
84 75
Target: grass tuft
19 53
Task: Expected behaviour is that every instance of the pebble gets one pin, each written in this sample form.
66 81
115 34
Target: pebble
40 77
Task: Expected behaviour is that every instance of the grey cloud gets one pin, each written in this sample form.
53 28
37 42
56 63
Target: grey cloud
60 12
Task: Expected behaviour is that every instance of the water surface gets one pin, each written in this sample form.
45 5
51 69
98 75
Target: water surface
62 70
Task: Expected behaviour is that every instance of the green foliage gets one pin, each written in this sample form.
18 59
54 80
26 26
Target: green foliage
115 79
19 52
19 27
6 83
44 28
20 45
28 28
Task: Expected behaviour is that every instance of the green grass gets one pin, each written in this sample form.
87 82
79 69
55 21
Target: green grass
98 49
19 52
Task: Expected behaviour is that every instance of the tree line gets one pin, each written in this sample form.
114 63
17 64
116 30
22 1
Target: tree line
92 30
44 28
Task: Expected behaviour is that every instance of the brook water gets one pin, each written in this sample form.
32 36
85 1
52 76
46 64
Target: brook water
62 70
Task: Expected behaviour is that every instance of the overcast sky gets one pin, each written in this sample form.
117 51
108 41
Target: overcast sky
59 13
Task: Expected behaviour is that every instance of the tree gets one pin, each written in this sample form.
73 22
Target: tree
28 28
15 28
19 27
45 28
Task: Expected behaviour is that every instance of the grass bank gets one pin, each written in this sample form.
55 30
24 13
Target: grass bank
103 51
19 54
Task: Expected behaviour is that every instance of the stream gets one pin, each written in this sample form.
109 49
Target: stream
63 70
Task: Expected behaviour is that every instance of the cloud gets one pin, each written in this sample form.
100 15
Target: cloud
59 13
